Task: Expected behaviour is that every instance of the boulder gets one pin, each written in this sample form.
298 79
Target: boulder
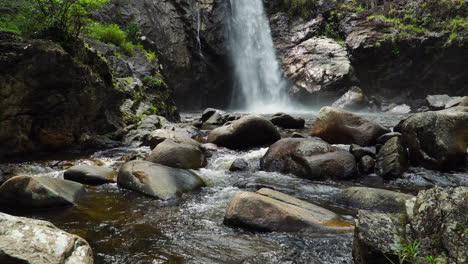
353 99
374 199
160 135
39 192
309 158
438 139
24 240
209 112
436 221
297 135
366 164
239 165
359 152
157 180
438 102
177 155
93 175
392 159
269 210
146 126
287 121
340 127
249 131
457 101
382 139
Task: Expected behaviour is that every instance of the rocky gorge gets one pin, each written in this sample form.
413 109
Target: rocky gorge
107 155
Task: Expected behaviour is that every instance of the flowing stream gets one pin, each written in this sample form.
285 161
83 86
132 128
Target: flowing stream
127 227
259 84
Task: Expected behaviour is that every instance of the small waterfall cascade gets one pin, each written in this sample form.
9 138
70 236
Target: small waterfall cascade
259 85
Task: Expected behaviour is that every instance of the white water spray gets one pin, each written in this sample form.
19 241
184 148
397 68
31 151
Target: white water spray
259 84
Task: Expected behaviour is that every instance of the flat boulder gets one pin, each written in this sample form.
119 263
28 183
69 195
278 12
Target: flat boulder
177 155
246 132
340 127
269 210
310 158
374 199
157 180
39 192
24 240
92 175
287 121
437 139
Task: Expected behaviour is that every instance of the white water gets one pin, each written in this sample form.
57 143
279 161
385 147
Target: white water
259 84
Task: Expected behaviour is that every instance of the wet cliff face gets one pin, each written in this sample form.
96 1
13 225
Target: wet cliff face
49 98
189 37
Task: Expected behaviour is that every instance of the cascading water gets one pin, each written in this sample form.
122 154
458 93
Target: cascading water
259 85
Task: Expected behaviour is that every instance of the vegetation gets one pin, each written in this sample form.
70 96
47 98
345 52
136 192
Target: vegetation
302 8
49 18
407 253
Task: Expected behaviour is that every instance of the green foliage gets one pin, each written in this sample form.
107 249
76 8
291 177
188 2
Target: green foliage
154 81
433 260
7 23
150 55
50 18
111 34
133 32
407 253
302 8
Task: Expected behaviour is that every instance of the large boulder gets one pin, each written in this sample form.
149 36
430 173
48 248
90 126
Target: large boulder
374 199
436 221
177 155
160 135
39 192
93 175
392 159
248 131
353 99
309 158
437 140
24 240
340 127
287 121
157 180
269 210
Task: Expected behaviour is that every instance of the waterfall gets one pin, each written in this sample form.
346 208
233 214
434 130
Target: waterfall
259 85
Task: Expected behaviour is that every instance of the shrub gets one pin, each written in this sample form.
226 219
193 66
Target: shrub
302 8
51 18
133 32
111 34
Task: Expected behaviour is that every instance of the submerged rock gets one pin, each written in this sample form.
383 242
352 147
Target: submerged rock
374 199
437 140
309 158
239 165
436 221
353 99
177 155
93 175
24 240
39 192
157 180
269 210
287 121
392 159
340 127
249 131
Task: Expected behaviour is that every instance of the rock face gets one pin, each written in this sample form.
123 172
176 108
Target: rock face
319 67
24 240
49 98
93 175
392 159
157 180
177 155
374 199
249 131
189 37
287 121
437 140
436 220
309 158
269 210
353 99
340 127
39 192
